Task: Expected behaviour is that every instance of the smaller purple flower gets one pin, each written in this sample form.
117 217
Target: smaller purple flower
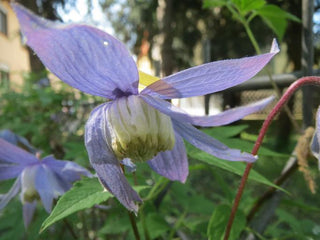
44 180
315 148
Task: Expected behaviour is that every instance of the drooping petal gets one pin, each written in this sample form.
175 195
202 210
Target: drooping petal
82 56
210 77
68 171
209 144
5 199
315 147
8 171
231 115
9 136
17 140
172 164
220 119
13 154
48 186
28 211
104 161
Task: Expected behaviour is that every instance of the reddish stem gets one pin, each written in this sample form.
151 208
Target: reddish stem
286 96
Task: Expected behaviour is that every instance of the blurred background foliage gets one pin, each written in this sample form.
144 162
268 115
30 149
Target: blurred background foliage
52 116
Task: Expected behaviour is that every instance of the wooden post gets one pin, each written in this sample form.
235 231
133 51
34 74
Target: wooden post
307 59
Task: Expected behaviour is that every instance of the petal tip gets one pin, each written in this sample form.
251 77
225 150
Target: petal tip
275 46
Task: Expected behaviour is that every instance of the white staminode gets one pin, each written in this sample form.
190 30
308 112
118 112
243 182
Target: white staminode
28 191
137 130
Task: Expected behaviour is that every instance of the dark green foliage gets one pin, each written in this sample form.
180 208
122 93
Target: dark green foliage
47 118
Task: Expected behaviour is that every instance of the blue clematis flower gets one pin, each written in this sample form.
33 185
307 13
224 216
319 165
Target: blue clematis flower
37 179
137 126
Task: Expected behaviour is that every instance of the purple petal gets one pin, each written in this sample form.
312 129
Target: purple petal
104 161
167 108
11 153
28 211
17 140
209 144
5 199
210 77
82 56
9 136
172 164
48 186
8 171
68 171
232 115
223 118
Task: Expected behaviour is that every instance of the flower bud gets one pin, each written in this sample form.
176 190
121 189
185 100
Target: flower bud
137 130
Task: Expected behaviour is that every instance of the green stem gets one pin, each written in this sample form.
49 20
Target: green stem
144 224
70 228
134 225
161 184
177 224
157 188
251 37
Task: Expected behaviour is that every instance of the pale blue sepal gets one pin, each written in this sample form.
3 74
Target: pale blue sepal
209 144
172 164
13 154
231 115
84 57
105 162
210 77
8 171
14 190
68 171
28 211
220 119
48 186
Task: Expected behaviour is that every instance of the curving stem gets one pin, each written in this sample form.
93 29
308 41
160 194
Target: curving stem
285 97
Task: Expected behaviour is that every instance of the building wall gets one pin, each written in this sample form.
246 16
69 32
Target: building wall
14 56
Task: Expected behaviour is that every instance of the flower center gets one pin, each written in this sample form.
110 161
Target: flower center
138 131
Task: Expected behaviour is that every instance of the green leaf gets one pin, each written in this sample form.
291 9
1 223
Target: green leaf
226 131
276 18
191 200
84 194
218 222
196 222
245 6
300 204
115 224
214 3
234 167
157 225
247 147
